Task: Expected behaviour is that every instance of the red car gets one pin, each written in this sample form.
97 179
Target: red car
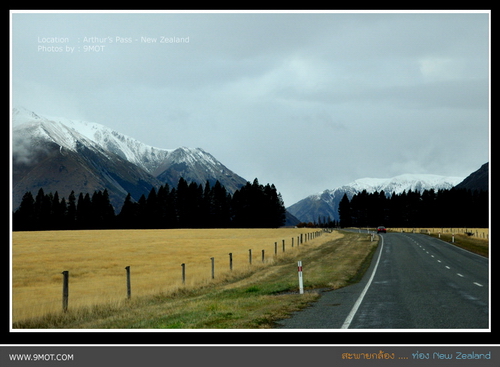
381 230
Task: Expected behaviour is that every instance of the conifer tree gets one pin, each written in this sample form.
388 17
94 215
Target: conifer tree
84 211
345 212
23 219
221 206
188 205
127 218
59 208
71 211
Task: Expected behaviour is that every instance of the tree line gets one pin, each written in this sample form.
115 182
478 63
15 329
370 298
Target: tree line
189 205
430 208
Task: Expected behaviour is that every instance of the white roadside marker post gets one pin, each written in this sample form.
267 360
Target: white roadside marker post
301 282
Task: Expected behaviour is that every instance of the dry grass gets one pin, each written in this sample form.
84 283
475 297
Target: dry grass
96 262
472 239
251 299
477 233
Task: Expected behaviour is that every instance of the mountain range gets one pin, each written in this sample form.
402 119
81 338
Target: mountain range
64 155
324 205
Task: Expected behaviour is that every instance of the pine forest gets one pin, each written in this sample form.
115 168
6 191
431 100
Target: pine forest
189 205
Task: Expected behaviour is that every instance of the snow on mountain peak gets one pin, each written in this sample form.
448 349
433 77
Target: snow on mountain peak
165 164
87 156
21 115
326 203
67 132
405 182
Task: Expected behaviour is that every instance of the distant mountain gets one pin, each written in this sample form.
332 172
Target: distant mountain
477 180
60 154
325 205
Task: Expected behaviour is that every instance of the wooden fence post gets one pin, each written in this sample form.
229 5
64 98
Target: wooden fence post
230 261
262 256
65 290
213 268
129 290
283 245
250 256
183 273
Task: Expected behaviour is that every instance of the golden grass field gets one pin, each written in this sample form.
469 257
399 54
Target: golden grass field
479 233
96 262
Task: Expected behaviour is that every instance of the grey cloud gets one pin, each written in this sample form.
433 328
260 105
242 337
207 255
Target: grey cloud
288 92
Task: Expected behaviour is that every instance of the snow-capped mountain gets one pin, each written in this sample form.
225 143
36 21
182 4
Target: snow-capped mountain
325 204
70 133
60 154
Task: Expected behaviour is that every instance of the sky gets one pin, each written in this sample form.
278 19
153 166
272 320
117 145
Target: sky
307 101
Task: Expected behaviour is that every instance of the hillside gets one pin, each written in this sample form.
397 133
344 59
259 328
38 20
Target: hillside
477 180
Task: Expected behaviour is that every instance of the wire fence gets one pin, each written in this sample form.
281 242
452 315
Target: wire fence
73 289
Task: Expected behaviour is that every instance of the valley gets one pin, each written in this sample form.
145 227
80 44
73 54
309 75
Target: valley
238 273
63 155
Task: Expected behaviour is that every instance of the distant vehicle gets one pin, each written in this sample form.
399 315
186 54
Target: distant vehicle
381 230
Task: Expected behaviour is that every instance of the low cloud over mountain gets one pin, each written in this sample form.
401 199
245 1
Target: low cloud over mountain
60 154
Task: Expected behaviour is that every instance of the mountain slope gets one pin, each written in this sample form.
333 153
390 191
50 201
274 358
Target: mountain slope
61 155
52 159
477 180
325 205
196 165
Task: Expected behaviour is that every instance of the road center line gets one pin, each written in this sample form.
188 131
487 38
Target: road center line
354 309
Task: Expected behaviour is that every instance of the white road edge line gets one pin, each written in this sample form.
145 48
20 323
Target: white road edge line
478 284
354 309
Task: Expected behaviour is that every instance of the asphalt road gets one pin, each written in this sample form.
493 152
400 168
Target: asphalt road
414 282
